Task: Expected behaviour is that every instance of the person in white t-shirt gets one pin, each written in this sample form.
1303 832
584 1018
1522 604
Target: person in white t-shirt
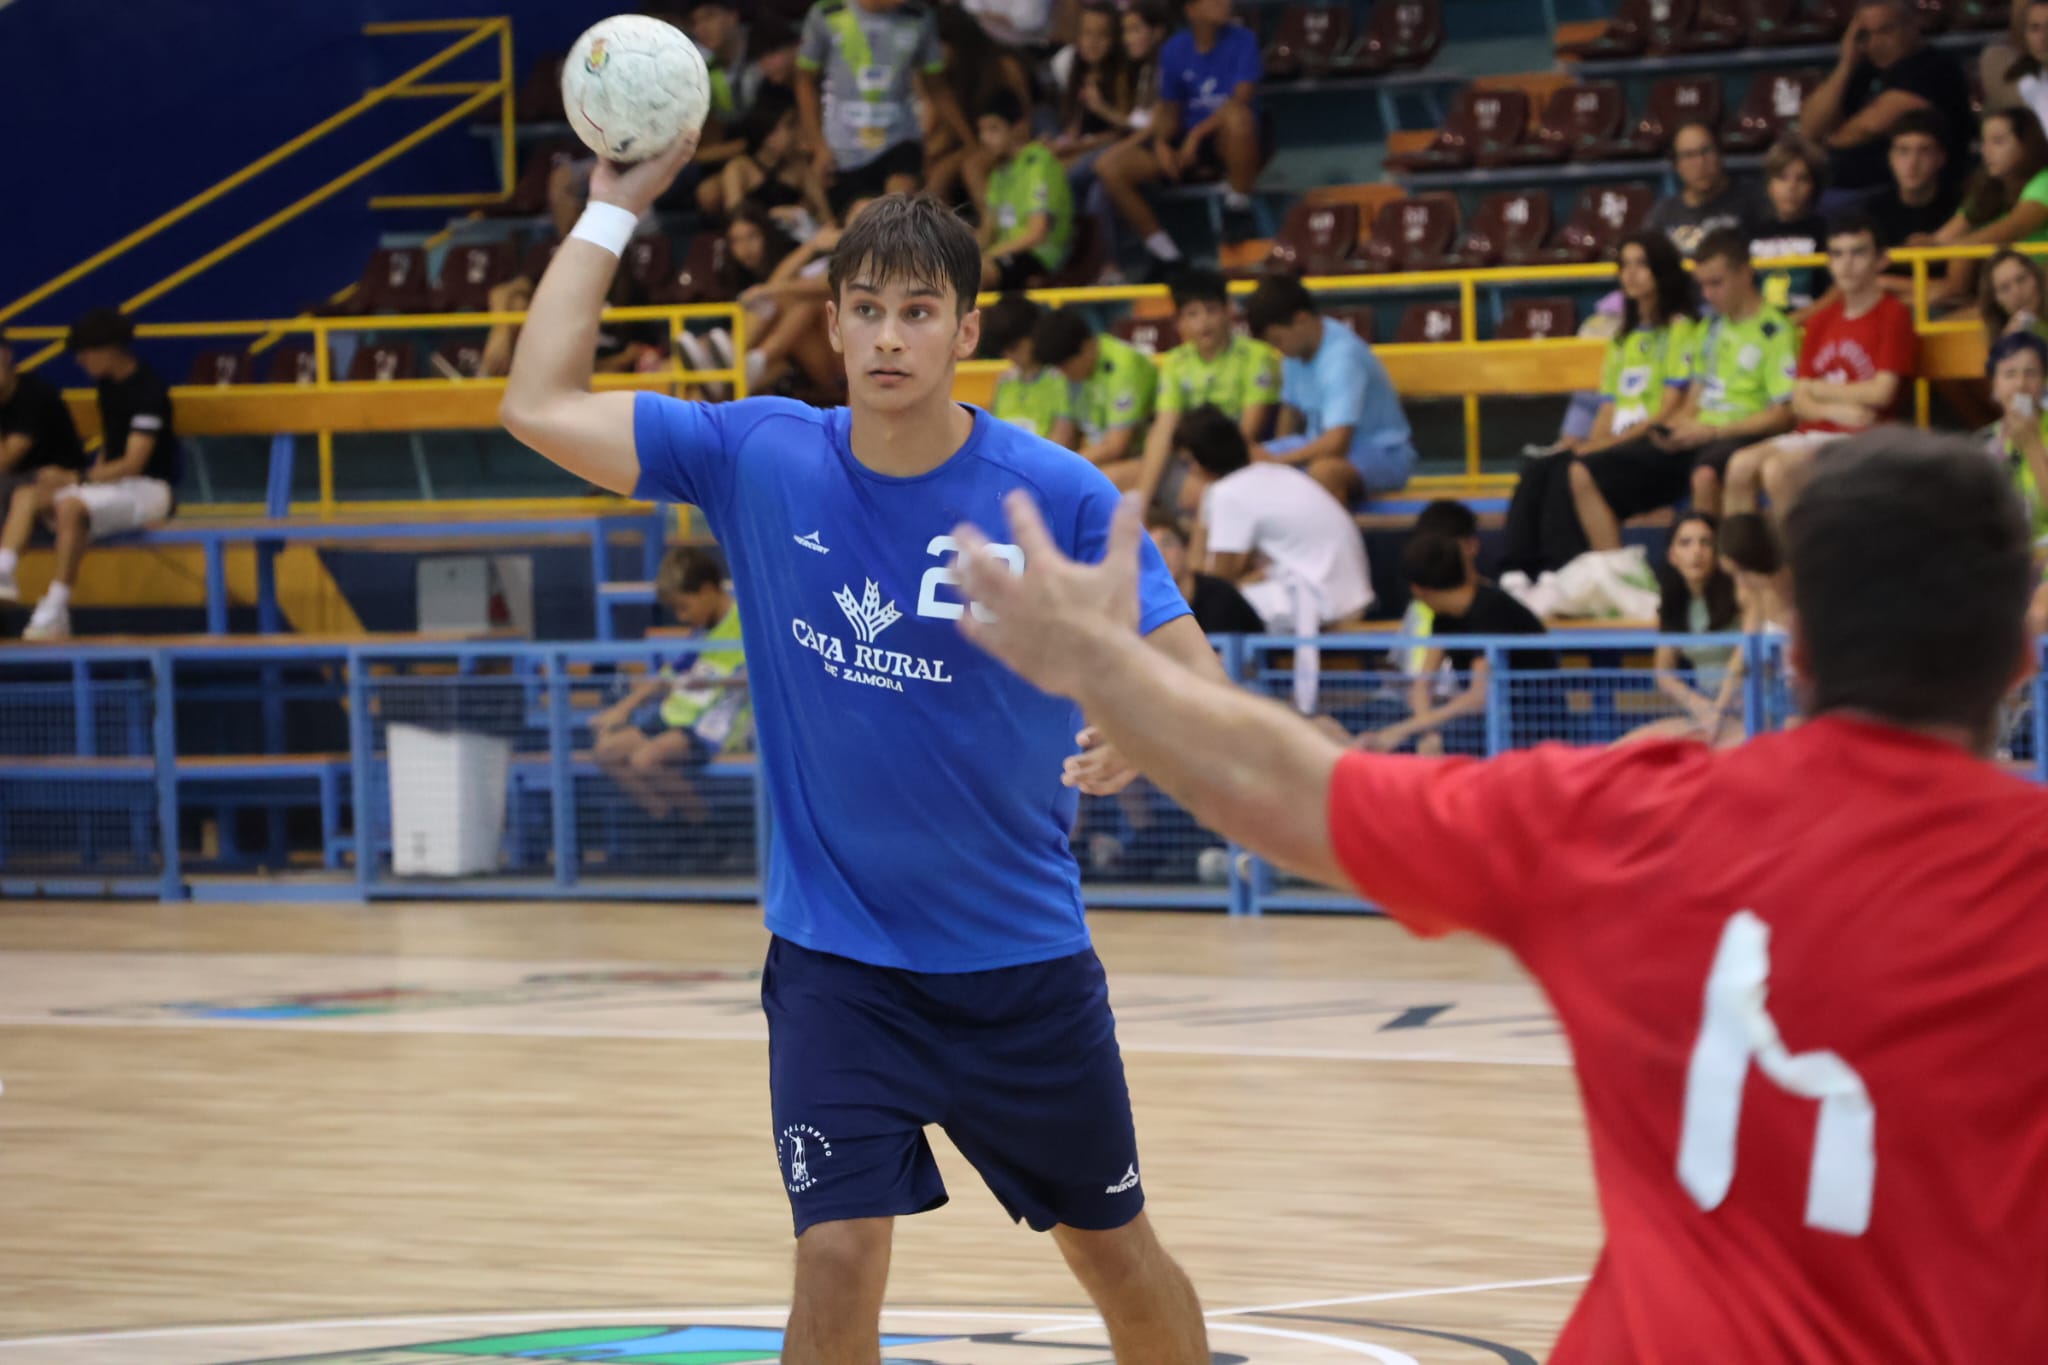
1271 529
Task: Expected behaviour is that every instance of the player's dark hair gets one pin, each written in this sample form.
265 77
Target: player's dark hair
1921 123
1674 594
1009 320
1213 440
1447 517
1059 336
1001 103
1912 566
1159 519
1855 223
1277 301
1723 244
100 327
913 238
1675 294
1713 138
1434 562
687 569
1199 286
2011 344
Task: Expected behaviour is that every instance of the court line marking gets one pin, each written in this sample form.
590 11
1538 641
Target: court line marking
399 1024
618 1315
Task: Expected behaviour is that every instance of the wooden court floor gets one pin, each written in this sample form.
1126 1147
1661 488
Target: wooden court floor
421 1133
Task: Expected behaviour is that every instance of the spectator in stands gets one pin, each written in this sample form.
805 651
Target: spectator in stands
1145 26
1920 197
626 347
976 67
2015 70
1856 366
755 244
1460 604
1026 206
1793 226
1707 200
2006 200
1093 89
1696 596
39 442
788 320
769 77
1340 418
510 296
1015 23
1885 70
1220 609
1738 373
1028 394
860 64
2018 367
703 697
1642 384
1111 384
1454 521
714 25
1212 364
132 484
2012 296
1206 120
1269 528
772 171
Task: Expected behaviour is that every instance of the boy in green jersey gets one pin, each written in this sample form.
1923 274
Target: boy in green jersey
1029 395
1027 208
1111 383
1212 365
1737 369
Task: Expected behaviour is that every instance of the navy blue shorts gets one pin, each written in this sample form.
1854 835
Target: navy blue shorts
1019 1066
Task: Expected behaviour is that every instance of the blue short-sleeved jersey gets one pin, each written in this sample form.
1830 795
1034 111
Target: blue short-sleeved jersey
919 821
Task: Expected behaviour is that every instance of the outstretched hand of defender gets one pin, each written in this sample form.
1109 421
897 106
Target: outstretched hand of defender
1098 770
637 186
1040 619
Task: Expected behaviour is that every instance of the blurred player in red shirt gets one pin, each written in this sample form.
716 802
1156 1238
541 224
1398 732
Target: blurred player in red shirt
1805 980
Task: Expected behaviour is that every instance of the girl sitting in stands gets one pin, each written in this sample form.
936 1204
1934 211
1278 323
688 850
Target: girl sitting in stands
1697 597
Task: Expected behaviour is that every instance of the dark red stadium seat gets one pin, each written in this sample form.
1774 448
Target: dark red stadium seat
1769 109
1934 15
1315 239
220 367
468 273
649 264
1674 102
1359 320
533 262
1153 336
1605 214
701 278
1413 233
395 281
1538 320
1689 26
1427 324
1481 122
1401 34
461 358
1577 121
530 192
383 361
1510 228
1626 35
291 363
1310 40
539 99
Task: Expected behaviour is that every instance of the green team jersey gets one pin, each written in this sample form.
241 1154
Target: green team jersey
1245 375
2024 484
1120 391
1745 367
1641 365
1035 403
1033 181
702 699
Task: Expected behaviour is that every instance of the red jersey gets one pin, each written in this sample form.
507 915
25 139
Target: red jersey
1805 983
1845 350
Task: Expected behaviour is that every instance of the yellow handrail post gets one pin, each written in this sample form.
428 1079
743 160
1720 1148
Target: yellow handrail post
247 173
508 113
739 350
1468 333
326 473
323 371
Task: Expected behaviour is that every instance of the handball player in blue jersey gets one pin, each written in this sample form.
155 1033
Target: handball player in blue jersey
930 961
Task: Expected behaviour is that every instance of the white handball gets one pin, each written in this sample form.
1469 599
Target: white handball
632 85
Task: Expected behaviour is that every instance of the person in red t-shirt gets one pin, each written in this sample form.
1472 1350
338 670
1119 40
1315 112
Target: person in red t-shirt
1805 981
1855 364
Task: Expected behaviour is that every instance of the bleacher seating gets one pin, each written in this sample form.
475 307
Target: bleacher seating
1311 40
1400 35
697 280
1315 239
468 274
530 191
394 281
1605 214
1510 228
1576 121
1770 109
220 365
293 362
1538 320
1415 233
1153 336
1788 23
1427 324
1483 122
383 361
648 264
458 359
1673 102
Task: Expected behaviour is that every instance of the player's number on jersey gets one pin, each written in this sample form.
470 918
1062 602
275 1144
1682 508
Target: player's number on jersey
943 576
1738 1030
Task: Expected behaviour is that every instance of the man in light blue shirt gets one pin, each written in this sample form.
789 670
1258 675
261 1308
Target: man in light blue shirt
1340 418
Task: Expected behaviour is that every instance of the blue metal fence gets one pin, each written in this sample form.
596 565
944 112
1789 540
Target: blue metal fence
500 769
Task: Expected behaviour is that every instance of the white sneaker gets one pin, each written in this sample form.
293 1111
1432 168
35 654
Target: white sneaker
9 590
50 622
721 342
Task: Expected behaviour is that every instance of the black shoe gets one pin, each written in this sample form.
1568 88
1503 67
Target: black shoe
1157 270
1238 226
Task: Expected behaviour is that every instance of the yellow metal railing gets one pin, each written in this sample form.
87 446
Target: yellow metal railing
406 85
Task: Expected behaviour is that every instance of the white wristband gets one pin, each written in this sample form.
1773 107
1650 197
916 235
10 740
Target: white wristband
606 225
